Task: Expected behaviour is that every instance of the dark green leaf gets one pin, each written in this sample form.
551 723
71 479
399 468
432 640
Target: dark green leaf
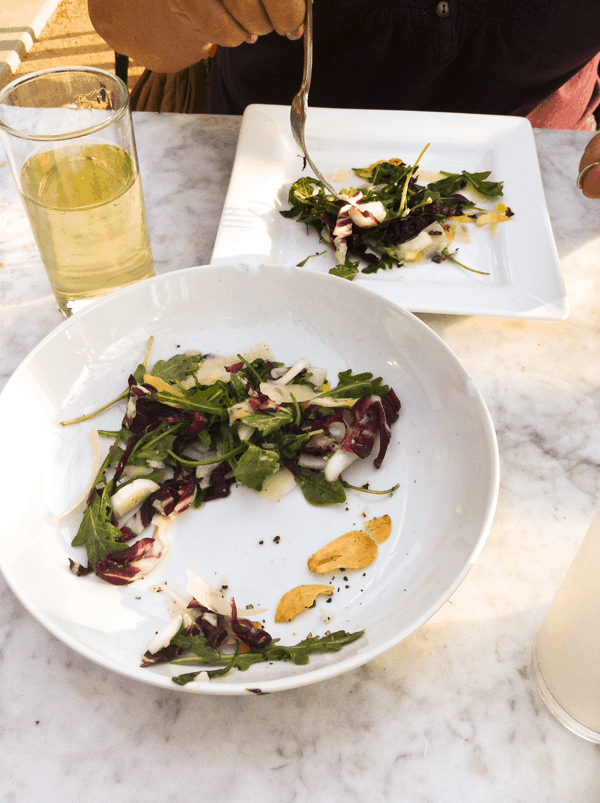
206 401
449 185
96 532
289 445
266 423
454 182
237 389
298 654
319 491
199 646
304 261
357 386
178 368
346 271
489 189
255 465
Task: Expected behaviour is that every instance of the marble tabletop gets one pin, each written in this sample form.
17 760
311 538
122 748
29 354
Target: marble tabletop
447 716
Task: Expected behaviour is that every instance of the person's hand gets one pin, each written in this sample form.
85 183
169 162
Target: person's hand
589 169
170 35
231 22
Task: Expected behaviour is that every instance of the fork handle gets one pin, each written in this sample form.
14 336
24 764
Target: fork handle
308 47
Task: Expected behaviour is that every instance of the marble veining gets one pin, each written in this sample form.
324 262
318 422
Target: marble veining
447 715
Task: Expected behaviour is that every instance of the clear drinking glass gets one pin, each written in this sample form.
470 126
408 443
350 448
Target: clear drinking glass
565 661
68 137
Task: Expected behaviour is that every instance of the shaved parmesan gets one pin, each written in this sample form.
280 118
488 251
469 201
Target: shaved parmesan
329 401
296 369
80 503
206 595
213 369
164 636
283 394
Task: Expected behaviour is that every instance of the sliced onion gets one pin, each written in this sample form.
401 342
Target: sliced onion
132 495
296 368
338 462
314 461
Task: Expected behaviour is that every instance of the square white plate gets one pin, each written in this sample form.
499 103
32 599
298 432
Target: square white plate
524 279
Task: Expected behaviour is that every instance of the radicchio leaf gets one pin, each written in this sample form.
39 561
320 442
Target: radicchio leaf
78 569
247 632
120 569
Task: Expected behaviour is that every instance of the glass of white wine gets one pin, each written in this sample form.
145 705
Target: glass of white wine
68 137
565 660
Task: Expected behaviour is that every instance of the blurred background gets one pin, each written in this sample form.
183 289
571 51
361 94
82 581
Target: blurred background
35 34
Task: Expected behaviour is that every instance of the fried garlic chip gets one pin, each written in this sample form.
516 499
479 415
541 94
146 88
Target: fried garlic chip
354 550
380 528
298 600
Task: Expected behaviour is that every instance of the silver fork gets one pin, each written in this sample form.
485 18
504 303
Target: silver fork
300 102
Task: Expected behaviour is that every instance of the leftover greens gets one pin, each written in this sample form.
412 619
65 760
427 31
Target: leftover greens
395 220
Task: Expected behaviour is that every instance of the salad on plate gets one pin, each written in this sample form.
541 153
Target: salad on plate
396 219
196 425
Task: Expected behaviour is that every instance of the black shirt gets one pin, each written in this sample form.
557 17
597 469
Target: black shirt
469 56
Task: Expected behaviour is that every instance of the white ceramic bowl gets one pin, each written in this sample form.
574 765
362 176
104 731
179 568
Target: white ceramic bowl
443 453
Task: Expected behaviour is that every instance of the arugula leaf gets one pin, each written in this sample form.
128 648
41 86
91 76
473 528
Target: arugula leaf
177 368
266 423
237 390
288 445
490 189
255 465
318 491
156 448
115 452
209 401
384 173
298 654
454 182
261 369
304 261
96 532
447 186
199 646
356 386
139 374
293 212
346 271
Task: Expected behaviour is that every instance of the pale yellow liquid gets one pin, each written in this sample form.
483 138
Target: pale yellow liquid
85 207
568 644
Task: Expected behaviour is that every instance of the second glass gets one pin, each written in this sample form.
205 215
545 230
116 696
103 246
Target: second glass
565 661
68 137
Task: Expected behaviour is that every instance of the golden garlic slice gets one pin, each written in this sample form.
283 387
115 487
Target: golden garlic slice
380 528
354 550
298 600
